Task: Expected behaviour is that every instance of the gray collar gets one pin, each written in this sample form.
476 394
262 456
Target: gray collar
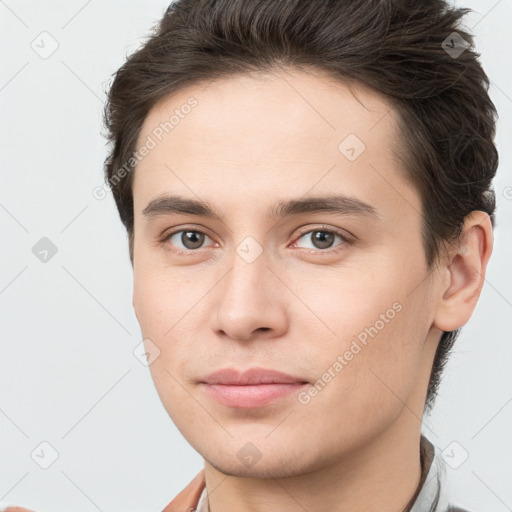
433 496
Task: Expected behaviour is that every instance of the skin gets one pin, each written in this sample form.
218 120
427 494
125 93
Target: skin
250 142
354 446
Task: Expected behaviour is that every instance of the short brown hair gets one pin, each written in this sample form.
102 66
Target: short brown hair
410 52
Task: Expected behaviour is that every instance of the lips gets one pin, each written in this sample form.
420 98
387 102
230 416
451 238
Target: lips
256 387
253 376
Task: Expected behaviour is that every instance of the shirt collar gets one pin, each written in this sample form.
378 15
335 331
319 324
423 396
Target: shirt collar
433 495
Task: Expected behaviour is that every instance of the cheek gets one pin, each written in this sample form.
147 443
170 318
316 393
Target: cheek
149 303
362 387
158 299
165 306
164 318
158 309
372 359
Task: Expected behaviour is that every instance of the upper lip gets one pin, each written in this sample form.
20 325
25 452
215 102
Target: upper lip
232 376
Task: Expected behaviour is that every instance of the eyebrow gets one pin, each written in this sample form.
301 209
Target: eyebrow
337 204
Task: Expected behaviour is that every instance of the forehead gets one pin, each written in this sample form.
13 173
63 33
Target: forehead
296 106
280 128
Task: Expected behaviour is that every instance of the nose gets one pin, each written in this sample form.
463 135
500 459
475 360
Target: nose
250 302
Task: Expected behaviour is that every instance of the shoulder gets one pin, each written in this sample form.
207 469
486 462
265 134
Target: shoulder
188 498
15 509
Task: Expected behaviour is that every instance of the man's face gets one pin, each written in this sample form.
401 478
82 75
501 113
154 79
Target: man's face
338 299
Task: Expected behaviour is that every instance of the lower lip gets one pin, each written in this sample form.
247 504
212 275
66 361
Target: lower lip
251 396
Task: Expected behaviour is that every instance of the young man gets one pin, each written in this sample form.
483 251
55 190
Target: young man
307 192
306 188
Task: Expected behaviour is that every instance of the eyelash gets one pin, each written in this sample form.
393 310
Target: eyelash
190 252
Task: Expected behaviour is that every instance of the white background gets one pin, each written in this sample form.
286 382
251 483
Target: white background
68 375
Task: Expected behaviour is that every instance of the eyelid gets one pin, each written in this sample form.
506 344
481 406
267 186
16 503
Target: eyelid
346 235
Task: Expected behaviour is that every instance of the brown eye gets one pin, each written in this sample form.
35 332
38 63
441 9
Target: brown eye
322 239
192 239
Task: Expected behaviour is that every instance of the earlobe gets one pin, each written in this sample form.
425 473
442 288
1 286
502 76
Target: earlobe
466 273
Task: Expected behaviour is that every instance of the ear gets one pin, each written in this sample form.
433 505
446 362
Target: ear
464 272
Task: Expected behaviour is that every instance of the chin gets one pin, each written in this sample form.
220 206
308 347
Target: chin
261 469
